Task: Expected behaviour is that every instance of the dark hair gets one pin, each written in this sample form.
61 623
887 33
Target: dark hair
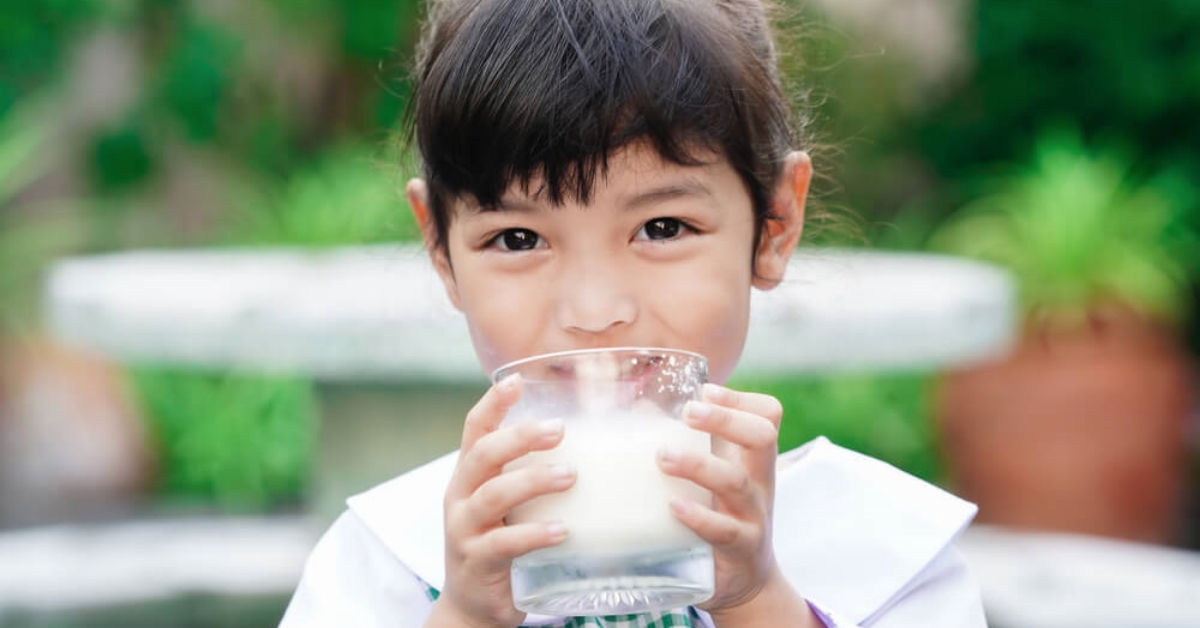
509 90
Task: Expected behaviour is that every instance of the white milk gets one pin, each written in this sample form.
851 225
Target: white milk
620 502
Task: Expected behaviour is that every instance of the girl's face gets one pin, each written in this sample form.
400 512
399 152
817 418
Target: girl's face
661 256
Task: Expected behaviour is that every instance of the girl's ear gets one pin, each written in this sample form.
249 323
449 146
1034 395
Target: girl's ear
781 234
418 200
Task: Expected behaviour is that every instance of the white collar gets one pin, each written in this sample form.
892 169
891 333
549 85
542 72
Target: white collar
850 531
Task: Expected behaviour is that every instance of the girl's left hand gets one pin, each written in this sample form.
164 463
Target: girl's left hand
740 472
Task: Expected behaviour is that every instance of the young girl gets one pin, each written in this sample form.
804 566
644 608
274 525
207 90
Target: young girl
620 173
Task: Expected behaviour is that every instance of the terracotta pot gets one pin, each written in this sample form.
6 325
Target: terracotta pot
72 441
1080 429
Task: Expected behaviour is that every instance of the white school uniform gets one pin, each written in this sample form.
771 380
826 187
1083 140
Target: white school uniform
866 544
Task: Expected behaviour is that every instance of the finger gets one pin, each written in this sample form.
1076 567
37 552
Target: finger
745 429
758 404
494 450
498 547
718 529
727 481
485 417
490 504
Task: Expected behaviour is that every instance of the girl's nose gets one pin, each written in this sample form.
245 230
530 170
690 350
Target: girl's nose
595 299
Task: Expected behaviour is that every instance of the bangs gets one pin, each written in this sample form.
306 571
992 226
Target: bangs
513 90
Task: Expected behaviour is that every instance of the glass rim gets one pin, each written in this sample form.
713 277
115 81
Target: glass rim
503 369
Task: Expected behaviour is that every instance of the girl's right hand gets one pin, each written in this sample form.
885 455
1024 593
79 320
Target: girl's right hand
480 548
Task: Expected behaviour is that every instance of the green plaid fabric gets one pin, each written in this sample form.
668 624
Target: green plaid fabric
667 619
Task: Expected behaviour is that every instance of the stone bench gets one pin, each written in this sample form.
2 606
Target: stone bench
380 313
73 572
1049 580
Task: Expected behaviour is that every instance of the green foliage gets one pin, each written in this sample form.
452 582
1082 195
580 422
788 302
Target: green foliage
120 158
348 197
34 34
887 416
26 249
909 230
197 77
1130 69
1079 228
265 85
371 27
27 245
241 442
24 136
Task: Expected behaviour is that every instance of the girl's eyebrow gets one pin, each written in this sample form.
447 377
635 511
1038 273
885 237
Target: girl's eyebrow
502 205
689 187
513 205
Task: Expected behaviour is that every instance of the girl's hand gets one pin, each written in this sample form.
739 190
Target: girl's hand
740 472
479 546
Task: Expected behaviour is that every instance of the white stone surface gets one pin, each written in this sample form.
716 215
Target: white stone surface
380 312
98 565
1046 580
856 309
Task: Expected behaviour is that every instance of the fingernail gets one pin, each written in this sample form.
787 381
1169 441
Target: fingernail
550 427
680 506
509 383
556 530
699 409
562 471
669 454
713 392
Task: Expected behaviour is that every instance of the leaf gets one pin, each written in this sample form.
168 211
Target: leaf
1076 227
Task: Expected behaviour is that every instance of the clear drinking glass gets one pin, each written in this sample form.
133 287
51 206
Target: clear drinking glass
625 552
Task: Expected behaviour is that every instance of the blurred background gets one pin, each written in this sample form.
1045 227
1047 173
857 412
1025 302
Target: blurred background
1055 139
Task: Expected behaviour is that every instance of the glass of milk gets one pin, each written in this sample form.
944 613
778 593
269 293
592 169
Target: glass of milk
625 552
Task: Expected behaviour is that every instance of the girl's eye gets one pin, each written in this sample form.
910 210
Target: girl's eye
517 240
661 229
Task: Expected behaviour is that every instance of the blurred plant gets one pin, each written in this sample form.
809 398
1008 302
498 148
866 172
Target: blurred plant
32 232
33 37
197 76
1113 67
348 197
243 442
24 134
244 89
1079 230
886 416
909 230
1117 67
